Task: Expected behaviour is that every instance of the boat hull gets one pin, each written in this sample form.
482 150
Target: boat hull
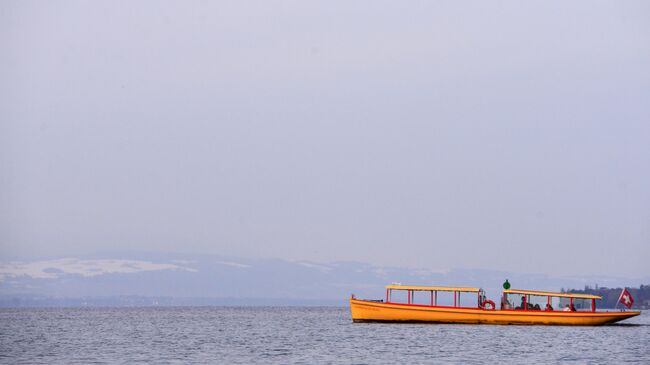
370 311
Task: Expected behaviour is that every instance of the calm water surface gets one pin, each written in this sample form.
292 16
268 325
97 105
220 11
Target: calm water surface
289 335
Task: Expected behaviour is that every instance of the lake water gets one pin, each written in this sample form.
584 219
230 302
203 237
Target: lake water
290 335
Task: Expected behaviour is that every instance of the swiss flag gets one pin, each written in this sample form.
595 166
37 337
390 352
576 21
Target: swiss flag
626 298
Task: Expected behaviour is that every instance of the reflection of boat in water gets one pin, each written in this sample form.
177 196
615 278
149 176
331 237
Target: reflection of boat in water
536 308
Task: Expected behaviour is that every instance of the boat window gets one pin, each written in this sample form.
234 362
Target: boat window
422 298
438 298
555 303
580 304
468 300
446 298
517 300
399 296
532 302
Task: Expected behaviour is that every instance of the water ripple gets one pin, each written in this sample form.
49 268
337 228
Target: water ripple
240 335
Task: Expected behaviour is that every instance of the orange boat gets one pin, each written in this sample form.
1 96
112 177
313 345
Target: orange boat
536 307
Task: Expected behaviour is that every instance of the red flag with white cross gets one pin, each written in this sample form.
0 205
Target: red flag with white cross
626 298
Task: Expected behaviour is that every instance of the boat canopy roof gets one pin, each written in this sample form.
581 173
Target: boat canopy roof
552 294
432 288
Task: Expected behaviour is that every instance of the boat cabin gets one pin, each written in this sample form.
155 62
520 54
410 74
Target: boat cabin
437 296
514 299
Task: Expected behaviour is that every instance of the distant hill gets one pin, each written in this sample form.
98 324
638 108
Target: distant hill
140 279
610 296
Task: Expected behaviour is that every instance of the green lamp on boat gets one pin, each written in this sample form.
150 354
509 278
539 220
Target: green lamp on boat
506 285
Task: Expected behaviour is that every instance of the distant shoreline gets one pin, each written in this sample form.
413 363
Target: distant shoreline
141 301
170 302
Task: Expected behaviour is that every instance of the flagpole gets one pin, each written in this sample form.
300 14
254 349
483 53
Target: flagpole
619 298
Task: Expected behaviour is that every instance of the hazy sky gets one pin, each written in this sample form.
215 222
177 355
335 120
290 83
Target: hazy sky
505 135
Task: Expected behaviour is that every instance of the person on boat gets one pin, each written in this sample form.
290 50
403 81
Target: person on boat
527 305
505 304
523 303
573 308
566 308
549 307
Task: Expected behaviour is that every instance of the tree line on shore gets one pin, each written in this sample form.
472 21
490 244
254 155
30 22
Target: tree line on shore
610 296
